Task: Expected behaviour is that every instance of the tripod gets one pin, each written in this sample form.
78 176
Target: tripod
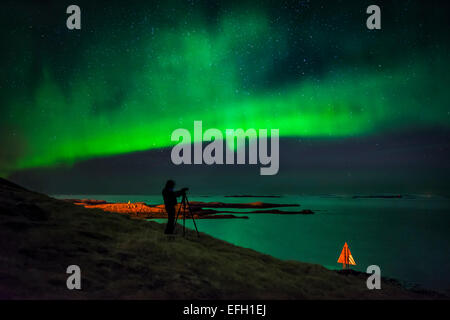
186 207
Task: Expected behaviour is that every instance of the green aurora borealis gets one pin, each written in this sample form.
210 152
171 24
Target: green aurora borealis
130 77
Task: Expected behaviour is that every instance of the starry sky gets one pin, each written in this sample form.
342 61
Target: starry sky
137 70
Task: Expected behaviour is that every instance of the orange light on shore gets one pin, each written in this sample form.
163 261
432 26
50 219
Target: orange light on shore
346 257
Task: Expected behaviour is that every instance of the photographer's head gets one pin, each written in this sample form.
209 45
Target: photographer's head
170 184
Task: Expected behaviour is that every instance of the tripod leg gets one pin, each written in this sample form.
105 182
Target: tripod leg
192 216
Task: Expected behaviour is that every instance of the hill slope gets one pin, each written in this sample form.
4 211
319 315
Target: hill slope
125 258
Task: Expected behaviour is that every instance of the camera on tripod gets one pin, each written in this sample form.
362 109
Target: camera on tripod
184 190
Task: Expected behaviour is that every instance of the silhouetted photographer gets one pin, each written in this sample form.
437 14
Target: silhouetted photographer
170 201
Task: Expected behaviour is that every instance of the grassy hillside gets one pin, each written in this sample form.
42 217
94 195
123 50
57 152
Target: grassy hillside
127 259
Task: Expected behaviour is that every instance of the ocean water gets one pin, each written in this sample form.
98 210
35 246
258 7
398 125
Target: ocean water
408 238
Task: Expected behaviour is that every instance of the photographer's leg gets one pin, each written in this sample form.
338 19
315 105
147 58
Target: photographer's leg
170 220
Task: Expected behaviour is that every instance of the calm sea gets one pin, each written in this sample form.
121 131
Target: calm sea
409 238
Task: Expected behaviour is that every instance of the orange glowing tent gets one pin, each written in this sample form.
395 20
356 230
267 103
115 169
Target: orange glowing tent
346 257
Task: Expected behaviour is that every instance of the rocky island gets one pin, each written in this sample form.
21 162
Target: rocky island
200 210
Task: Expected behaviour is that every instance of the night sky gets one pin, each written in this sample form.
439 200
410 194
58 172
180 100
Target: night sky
92 110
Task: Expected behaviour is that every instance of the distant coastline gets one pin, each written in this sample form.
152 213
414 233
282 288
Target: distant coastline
252 196
378 197
200 210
